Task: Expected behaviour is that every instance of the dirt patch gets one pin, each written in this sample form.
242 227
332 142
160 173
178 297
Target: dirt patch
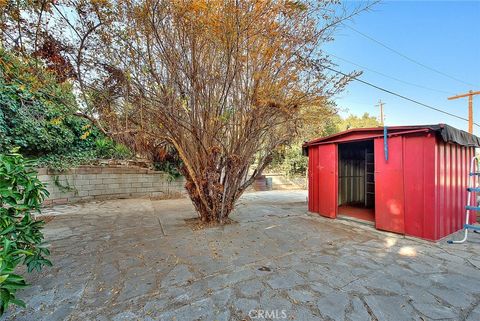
167 196
45 218
197 224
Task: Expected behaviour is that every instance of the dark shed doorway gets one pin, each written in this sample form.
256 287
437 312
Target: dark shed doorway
356 180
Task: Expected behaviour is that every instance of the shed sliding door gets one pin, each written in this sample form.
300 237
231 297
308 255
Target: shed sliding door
323 180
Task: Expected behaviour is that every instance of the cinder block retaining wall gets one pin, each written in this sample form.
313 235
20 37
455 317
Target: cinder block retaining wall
88 183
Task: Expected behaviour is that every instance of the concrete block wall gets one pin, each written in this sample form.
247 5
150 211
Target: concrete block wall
87 183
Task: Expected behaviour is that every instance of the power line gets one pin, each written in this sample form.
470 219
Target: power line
390 77
399 95
406 57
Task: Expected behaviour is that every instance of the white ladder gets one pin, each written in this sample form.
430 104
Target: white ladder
471 189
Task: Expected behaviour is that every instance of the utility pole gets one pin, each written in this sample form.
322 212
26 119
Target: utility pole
382 118
470 95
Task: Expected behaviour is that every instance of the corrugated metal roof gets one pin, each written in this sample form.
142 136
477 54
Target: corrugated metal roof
447 132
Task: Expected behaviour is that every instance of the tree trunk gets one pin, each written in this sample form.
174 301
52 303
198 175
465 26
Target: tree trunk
213 202
215 191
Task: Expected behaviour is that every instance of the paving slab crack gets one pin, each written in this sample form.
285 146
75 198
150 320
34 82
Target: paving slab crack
470 309
161 226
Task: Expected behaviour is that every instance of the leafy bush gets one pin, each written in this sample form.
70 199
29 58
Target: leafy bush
107 148
121 151
67 160
290 161
171 168
104 147
21 193
37 114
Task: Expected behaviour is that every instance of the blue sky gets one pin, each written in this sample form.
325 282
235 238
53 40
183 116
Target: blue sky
444 35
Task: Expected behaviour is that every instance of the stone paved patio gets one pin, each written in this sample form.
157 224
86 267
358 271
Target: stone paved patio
138 260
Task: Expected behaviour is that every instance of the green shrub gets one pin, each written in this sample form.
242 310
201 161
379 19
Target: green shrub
169 167
121 151
21 193
107 148
290 161
104 147
67 160
37 114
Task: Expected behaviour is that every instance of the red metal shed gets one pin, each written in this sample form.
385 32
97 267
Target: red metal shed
410 180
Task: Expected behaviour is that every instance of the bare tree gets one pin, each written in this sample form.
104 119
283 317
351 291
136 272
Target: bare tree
224 82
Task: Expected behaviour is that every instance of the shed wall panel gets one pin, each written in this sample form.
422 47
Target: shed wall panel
351 181
389 188
312 181
327 180
419 179
323 180
453 166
